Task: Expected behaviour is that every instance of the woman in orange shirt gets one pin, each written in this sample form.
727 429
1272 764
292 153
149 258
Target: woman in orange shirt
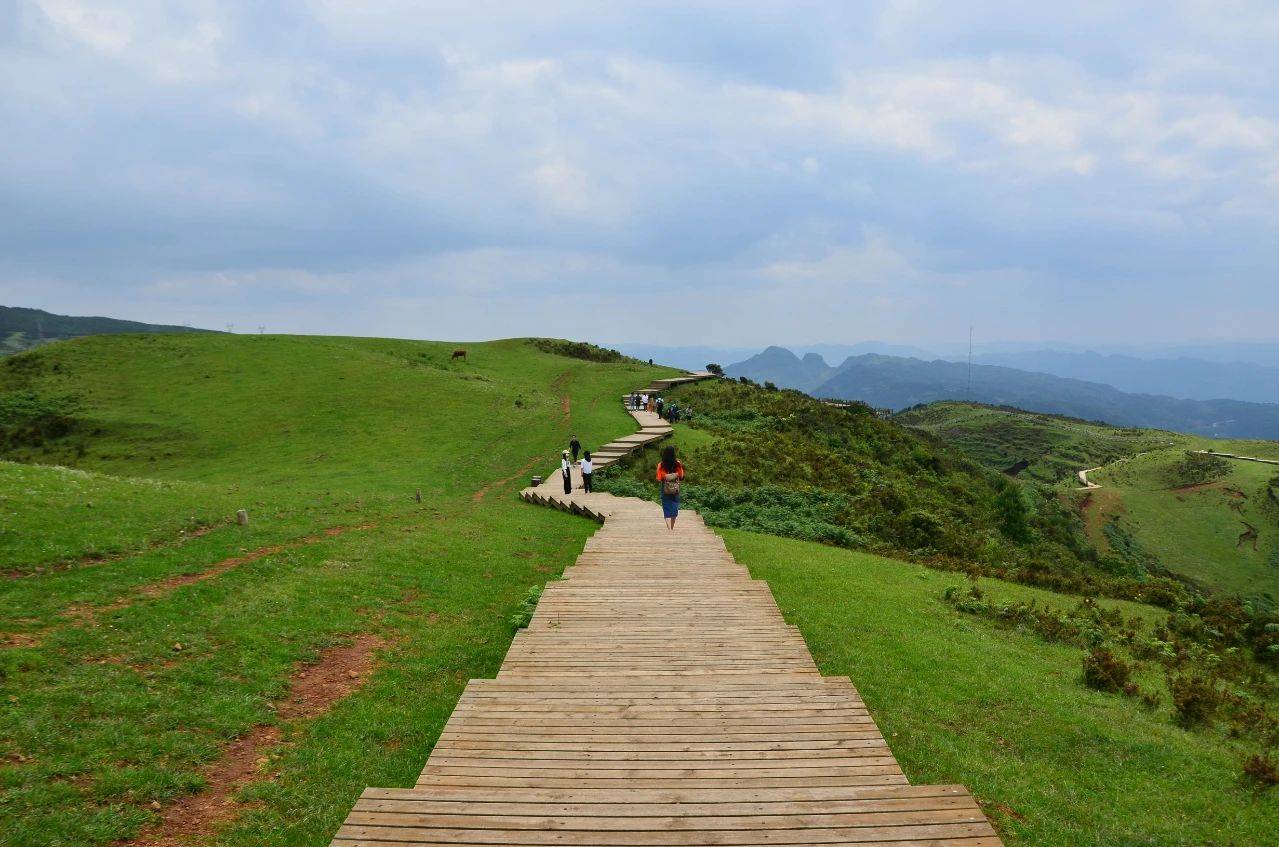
670 473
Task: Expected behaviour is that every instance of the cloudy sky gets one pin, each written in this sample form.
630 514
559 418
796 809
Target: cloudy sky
713 173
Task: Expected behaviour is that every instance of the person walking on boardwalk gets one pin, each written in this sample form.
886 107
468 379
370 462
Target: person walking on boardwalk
660 404
670 473
566 470
588 470
575 446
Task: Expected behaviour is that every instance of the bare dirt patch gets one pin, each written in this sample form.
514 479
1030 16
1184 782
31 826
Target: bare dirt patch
478 496
84 614
96 559
313 689
164 586
1196 486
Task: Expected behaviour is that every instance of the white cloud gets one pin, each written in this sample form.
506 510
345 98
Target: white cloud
379 146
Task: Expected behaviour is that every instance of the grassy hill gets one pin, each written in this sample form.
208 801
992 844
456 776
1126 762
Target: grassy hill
289 663
1053 448
1201 529
1145 515
173 640
1004 710
22 329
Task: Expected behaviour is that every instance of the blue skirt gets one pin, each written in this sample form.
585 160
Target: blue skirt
670 506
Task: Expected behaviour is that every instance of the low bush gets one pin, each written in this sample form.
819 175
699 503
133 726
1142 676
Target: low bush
1104 671
1196 700
1197 469
523 615
1262 768
579 350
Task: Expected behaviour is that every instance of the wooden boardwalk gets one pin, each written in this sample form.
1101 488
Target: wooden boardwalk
659 698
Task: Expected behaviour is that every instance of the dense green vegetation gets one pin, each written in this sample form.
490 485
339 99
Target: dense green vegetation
22 329
140 616
778 461
1163 507
1054 448
1004 710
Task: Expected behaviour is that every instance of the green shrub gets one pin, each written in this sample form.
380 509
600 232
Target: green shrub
1104 671
27 418
1262 768
1196 699
1197 469
579 350
528 606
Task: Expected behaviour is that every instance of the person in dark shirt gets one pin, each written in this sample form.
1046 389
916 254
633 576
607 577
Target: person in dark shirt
575 446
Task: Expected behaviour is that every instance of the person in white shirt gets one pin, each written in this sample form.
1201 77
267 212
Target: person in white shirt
588 468
567 472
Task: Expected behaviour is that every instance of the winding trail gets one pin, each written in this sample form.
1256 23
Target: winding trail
1238 457
659 698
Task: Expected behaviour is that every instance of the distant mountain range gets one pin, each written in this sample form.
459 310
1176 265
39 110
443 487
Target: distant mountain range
1219 371
22 328
1195 379
899 382
695 358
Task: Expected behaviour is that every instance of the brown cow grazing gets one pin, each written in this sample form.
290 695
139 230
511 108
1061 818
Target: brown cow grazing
458 354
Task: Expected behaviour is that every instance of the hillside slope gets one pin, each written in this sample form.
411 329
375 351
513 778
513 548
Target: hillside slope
1218 526
244 683
22 328
1047 448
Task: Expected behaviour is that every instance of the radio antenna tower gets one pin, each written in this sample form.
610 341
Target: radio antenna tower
970 363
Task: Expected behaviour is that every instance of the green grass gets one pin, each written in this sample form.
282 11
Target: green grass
307 434
1192 534
1056 447
1003 712
1195 531
54 515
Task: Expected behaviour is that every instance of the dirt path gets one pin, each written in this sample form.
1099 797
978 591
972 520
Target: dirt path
314 688
84 615
478 496
97 559
1240 458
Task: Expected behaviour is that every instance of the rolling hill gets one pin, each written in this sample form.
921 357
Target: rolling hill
898 383
256 677
22 329
1147 510
135 608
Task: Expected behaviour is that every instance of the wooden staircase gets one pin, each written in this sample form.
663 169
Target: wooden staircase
659 698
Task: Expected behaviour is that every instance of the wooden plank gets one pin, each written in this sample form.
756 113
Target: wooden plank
658 698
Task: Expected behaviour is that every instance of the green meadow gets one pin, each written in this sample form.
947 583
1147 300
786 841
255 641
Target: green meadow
144 633
143 630
961 699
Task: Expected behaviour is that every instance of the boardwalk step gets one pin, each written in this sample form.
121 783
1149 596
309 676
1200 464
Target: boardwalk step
658 698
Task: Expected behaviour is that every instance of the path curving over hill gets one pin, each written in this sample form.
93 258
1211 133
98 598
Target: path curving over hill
659 698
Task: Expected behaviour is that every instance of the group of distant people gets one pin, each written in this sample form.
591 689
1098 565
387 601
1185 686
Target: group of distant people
657 405
585 465
670 472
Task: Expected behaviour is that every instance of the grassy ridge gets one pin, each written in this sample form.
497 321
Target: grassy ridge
1199 530
173 645
1055 447
1143 518
962 700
